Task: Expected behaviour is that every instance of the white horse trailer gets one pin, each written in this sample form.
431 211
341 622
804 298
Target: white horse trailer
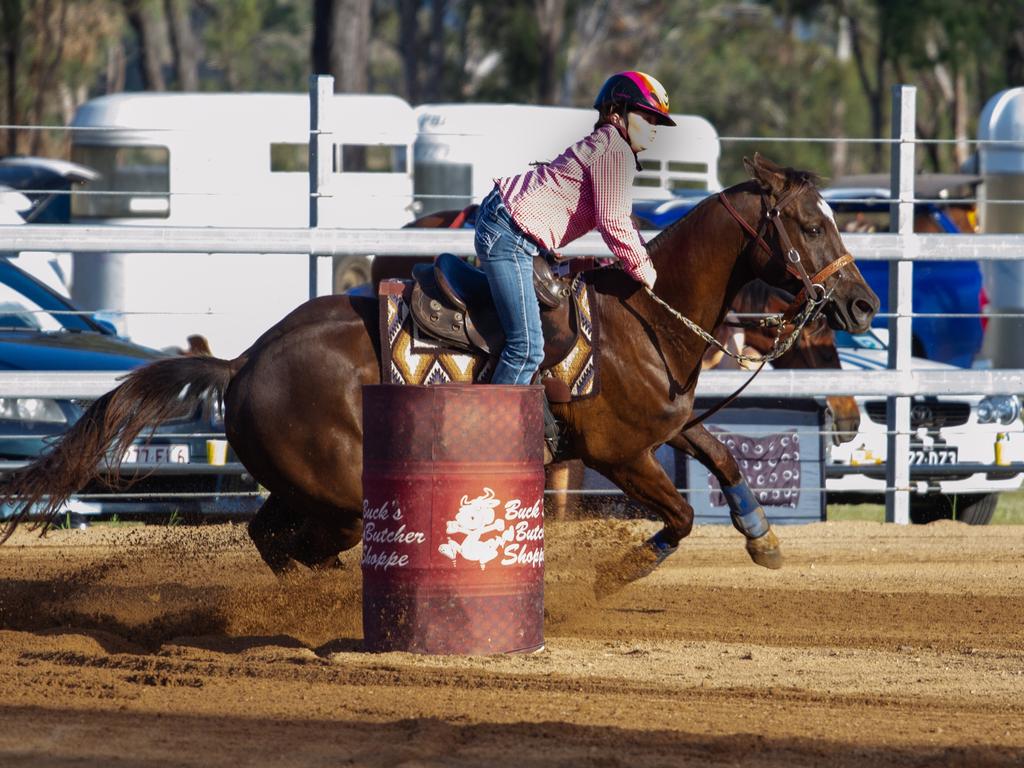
230 160
462 148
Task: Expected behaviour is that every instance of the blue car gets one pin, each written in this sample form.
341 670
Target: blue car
658 214
940 287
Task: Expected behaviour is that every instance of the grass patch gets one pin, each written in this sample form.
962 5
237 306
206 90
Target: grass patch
870 512
1010 510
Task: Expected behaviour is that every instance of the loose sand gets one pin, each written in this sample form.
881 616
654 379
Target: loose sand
875 645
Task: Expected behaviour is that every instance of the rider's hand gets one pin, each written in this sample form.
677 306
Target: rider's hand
645 274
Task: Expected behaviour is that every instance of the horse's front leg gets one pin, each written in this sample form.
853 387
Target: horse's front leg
644 480
747 514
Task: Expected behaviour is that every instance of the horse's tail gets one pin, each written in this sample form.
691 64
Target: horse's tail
96 444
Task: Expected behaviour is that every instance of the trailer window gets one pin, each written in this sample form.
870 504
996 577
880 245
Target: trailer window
137 178
370 158
289 158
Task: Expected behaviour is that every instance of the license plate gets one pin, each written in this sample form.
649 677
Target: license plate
156 454
927 454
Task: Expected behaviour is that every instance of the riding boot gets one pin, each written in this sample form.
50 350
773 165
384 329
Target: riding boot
552 434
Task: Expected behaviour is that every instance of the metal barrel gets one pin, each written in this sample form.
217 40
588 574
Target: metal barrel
453 518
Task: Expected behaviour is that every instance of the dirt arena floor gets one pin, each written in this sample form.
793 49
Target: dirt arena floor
875 645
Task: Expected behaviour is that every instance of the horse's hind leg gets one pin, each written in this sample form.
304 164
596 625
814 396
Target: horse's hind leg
748 516
272 530
324 535
644 480
285 535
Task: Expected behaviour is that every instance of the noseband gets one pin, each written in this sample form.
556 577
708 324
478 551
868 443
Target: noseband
814 286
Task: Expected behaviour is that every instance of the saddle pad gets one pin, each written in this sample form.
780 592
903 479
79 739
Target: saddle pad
407 357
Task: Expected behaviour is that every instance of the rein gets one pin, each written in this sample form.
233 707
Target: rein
780 346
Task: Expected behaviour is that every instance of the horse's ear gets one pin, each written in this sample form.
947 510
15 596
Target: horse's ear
770 176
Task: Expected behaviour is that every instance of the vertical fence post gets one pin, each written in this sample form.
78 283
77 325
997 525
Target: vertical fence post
901 277
321 91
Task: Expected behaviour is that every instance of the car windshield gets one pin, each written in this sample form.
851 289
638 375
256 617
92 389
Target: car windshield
870 340
27 304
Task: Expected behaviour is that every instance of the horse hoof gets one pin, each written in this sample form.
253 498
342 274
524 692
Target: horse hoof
765 550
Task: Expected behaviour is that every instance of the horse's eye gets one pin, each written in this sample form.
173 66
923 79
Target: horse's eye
814 231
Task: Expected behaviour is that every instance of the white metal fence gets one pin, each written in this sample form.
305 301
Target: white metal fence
320 245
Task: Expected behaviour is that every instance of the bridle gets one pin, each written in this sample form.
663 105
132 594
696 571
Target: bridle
814 286
811 299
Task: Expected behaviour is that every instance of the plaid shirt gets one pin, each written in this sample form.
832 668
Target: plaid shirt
588 186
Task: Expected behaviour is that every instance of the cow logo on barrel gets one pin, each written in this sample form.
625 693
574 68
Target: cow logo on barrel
517 536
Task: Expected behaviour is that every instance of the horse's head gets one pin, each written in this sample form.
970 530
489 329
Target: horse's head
801 249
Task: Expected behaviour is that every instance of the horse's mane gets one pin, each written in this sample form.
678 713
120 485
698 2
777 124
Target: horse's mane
794 178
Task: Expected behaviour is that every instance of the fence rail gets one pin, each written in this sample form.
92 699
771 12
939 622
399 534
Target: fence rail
769 383
323 241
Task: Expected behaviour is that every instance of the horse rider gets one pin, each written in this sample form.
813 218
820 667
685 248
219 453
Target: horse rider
588 186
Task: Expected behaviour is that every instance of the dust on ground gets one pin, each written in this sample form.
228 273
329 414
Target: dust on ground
874 645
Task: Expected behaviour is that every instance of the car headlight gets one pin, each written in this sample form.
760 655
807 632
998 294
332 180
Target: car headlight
1004 409
32 409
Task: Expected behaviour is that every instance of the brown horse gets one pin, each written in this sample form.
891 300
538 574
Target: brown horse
293 399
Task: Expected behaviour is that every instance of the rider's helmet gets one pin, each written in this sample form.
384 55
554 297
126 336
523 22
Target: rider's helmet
635 91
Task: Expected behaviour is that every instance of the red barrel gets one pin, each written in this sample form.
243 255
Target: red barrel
453 518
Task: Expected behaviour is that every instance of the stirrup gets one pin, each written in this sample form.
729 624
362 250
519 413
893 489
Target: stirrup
552 434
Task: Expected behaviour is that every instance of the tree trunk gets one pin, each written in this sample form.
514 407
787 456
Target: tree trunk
50 56
460 91
437 49
408 34
12 16
551 23
350 53
323 36
140 15
116 65
184 47
877 128
1014 57
589 26
871 92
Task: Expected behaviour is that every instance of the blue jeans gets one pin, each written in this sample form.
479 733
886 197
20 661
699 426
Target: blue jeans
506 256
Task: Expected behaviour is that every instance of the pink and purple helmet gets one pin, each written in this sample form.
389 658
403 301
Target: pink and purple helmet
636 91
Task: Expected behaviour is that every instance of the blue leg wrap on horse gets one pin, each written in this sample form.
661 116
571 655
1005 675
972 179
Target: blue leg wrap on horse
661 546
746 512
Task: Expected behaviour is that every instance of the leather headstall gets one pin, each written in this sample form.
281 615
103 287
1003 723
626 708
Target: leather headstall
794 264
